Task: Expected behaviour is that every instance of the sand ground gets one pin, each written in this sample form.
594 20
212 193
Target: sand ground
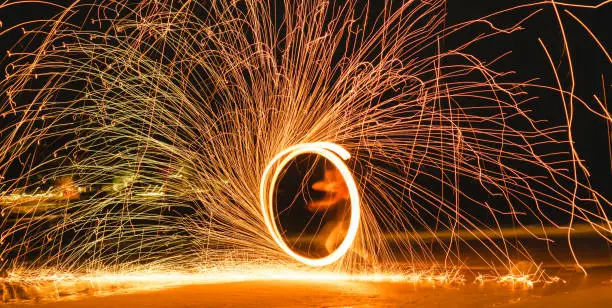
590 292
576 291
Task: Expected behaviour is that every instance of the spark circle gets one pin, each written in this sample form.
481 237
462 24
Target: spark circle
334 153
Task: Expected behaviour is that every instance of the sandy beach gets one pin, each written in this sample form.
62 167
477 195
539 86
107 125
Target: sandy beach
594 291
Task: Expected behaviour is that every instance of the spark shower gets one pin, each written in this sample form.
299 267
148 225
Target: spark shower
151 136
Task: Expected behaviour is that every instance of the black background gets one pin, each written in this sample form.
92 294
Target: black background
527 59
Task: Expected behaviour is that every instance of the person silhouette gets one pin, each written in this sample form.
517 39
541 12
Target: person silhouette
334 203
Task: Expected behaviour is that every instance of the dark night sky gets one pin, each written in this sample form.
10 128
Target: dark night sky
527 58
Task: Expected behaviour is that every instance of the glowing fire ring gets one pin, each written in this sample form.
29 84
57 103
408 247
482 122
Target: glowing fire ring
336 155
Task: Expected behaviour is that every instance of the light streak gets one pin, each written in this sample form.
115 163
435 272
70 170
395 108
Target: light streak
335 154
178 118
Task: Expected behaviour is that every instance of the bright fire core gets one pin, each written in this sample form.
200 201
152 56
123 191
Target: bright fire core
336 155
